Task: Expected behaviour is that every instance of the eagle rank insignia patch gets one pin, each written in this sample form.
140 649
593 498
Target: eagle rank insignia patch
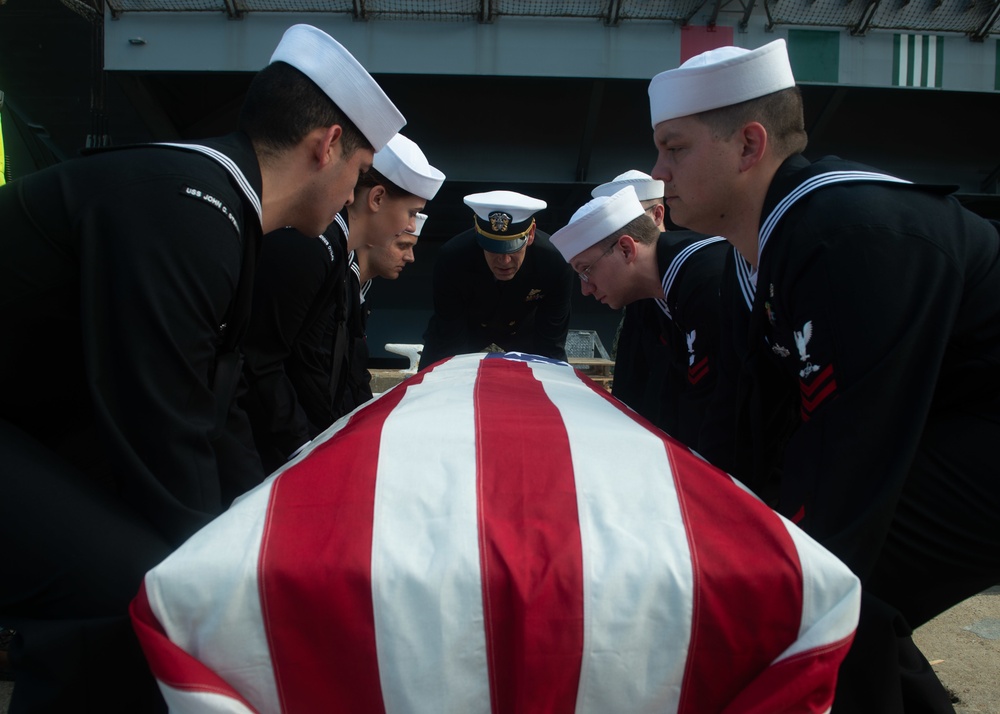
814 388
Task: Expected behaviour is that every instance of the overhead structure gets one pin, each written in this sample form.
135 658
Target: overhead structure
978 20
975 19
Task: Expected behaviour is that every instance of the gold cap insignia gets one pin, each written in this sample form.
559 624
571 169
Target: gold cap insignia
500 221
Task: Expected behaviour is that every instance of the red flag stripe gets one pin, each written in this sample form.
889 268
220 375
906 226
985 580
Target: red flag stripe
739 633
530 543
612 568
804 683
321 509
174 667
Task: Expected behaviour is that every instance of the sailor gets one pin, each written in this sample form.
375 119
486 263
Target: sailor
125 288
387 258
500 284
648 190
376 252
306 350
383 259
650 193
623 259
862 349
655 373
379 259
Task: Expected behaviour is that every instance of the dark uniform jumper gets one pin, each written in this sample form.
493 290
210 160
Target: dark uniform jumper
472 309
666 364
302 362
866 383
357 383
119 314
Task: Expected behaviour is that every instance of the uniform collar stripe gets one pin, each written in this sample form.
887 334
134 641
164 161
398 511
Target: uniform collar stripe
339 220
743 269
745 277
352 262
810 185
229 165
670 275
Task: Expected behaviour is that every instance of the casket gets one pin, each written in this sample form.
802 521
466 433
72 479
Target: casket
497 534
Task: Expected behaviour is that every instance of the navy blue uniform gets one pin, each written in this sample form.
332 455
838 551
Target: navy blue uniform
306 356
864 386
666 363
119 312
472 309
356 389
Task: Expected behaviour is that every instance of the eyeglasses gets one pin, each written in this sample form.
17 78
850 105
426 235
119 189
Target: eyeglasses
585 273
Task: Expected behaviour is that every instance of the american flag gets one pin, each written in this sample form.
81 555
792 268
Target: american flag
497 534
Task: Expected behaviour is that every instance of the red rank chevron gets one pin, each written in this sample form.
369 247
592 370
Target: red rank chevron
497 534
697 371
821 387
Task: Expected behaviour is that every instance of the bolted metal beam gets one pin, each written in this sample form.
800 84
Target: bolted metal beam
866 18
714 17
613 9
233 11
486 14
983 31
747 10
84 9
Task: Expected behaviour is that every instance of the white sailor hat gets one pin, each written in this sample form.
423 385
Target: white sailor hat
719 78
646 187
403 163
596 220
342 78
503 219
420 219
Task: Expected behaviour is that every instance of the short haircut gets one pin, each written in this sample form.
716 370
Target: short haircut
641 228
780 113
283 105
373 177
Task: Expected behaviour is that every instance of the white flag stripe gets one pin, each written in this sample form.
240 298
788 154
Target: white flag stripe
636 628
638 581
182 701
207 600
426 587
829 600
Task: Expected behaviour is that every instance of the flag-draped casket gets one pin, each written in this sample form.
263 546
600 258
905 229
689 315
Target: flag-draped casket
497 534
